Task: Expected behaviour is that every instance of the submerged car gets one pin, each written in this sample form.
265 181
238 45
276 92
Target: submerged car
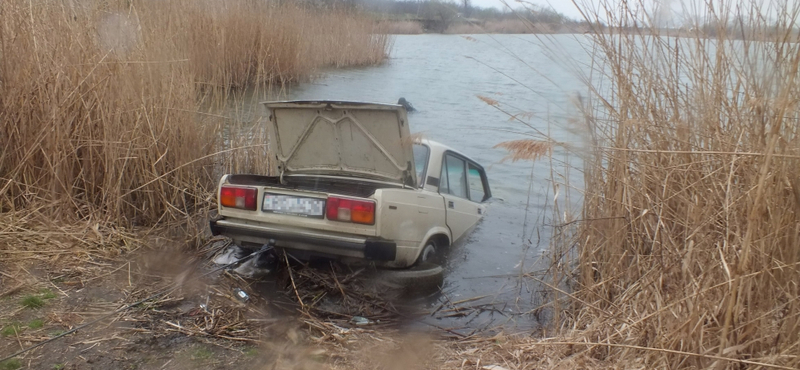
352 184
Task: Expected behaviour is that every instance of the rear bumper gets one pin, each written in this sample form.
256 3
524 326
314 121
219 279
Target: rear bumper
375 249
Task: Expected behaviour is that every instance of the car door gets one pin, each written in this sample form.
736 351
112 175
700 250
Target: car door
461 213
478 184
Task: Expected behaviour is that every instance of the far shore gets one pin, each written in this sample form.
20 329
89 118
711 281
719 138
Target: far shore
519 26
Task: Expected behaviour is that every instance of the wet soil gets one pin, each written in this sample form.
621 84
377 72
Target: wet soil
201 324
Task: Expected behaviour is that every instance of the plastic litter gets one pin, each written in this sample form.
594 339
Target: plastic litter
360 320
241 295
229 255
255 267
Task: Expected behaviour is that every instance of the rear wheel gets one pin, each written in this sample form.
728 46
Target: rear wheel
429 253
423 277
426 274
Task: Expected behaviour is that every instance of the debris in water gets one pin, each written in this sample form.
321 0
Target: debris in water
229 255
244 297
260 265
405 103
360 320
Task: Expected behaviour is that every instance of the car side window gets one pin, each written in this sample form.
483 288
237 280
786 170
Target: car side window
454 177
476 190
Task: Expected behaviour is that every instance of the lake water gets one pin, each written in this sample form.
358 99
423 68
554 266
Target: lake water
443 77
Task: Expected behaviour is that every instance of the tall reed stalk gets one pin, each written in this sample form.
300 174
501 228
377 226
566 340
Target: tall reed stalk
100 100
689 245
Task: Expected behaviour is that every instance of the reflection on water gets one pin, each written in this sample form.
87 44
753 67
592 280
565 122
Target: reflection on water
443 76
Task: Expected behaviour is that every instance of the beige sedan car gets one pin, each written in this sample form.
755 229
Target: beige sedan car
352 184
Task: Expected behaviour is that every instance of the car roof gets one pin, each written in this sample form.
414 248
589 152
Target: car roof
437 146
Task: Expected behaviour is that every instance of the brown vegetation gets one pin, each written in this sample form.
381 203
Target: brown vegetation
99 101
512 26
526 149
118 114
688 245
400 27
689 253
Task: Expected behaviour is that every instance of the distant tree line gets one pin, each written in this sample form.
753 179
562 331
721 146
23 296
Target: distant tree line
452 8
460 8
446 12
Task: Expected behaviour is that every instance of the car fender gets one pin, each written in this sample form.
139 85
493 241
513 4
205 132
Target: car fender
434 231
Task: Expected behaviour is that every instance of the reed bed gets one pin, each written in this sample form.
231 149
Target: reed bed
688 253
400 27
109 110
511 26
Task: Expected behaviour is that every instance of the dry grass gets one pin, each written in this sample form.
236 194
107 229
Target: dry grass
400 27
526 149
511 26
239 43
689 254
99 101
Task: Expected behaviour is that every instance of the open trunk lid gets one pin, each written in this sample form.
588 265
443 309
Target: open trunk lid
342 139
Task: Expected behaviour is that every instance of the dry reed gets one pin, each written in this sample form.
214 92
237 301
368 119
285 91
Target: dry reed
100 101
511 26
526 149
689 254
400 27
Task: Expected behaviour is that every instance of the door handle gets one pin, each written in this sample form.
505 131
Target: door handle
450 204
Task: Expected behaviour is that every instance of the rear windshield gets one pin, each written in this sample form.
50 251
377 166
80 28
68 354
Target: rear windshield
421 153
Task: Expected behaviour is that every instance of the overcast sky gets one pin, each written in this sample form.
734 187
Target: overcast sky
669 8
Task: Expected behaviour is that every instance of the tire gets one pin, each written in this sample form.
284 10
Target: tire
431 253
424 276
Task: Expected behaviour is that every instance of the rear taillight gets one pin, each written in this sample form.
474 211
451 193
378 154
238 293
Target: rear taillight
238 197
350 210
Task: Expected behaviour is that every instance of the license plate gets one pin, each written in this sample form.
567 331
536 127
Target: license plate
297 206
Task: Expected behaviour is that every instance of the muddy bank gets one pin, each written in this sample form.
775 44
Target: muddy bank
298 316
